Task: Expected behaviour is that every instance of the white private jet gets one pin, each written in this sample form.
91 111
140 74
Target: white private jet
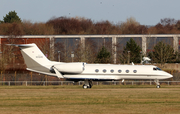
36 61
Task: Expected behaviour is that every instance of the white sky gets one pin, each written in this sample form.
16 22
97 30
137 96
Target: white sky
146 12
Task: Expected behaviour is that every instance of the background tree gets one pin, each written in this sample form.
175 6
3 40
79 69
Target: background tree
1 21
11 17
165 26
86 54
103 56
134 51
65 25
162 53
11 29
30 28
131 26
80 25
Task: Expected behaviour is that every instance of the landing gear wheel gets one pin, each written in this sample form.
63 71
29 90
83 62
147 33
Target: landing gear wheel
90 83
84 86
89 86
158 86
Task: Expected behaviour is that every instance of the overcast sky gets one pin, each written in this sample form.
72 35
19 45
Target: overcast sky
146 12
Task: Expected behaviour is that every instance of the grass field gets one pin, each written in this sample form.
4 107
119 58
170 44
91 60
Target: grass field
104 99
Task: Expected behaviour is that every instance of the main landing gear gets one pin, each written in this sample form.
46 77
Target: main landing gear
122 82
157 83
87 84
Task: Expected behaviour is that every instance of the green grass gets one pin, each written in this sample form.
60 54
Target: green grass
100 99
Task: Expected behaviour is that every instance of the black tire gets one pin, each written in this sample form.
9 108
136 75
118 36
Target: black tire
89 86
84 86
158 86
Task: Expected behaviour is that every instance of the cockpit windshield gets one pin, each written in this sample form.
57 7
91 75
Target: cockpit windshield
156 68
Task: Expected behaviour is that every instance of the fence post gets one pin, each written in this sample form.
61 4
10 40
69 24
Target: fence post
9 83
15 77
132 82
1 78
1 75
97 83
31 78
26 83
168 82
150 82
46 79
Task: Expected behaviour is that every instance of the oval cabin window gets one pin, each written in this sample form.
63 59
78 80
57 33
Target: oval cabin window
119 71
97 70
104 70
111 70
134 71
127 71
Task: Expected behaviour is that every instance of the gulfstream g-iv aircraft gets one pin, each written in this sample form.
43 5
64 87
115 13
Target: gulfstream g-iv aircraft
36 61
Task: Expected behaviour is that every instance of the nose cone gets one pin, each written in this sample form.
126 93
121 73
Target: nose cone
167 75
170 76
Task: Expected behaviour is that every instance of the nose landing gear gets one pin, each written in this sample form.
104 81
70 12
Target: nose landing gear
157 83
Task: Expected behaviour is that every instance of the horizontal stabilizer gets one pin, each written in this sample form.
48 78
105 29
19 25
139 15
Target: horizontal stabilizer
21 45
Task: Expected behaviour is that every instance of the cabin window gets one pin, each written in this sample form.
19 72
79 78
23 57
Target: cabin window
97 70
127 71
104 70
119 71
134 71
111 70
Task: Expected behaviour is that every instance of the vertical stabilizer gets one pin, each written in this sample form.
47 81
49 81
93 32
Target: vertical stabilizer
33 56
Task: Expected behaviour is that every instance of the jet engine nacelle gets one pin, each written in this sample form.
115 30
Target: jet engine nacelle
70 68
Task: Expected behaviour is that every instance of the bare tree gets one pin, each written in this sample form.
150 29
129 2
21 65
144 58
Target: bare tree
85 54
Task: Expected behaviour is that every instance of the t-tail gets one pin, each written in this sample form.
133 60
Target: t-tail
36 61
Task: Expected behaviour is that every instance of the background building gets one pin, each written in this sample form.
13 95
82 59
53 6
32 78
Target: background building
70 43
